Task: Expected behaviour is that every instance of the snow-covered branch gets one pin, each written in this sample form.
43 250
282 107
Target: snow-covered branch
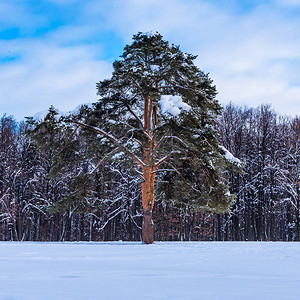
114 140
165 158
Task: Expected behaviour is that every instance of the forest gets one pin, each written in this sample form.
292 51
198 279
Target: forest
43 198
156 158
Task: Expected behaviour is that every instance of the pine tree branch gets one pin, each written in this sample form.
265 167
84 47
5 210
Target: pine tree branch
164 138
141 125
163 170
103 160
114 140
162 160
175 170
68 140
134 114
174 86
135 83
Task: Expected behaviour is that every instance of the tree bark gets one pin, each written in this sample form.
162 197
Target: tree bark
148 227
148 202
149 170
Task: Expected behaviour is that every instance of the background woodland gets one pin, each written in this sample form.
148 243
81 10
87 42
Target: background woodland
43 198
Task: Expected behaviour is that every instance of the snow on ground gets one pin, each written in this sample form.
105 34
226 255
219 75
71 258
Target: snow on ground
164 270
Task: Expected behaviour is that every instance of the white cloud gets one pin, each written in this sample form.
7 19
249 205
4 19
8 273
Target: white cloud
253 56
48 74
15 15
242 52
292 3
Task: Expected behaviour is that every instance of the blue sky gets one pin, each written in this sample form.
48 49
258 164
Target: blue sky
52 52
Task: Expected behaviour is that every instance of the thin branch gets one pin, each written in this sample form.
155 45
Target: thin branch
69 139
183 177
173 86
164 138
162 160
134 222
164 170
107 221
134 114
114 140
103 159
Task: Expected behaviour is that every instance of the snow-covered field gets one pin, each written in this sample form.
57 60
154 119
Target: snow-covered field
164 270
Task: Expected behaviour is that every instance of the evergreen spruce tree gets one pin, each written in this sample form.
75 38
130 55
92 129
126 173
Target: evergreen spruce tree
160 110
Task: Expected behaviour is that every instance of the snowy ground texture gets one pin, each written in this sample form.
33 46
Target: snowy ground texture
164 270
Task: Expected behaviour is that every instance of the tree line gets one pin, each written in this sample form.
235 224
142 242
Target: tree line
46 194
154 147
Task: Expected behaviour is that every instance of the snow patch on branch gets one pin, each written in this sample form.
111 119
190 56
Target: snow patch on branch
40 116
150 33
172 105
229 156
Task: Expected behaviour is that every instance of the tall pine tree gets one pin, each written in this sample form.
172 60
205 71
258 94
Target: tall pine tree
160 110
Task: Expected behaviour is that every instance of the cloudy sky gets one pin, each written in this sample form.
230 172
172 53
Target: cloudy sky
52 52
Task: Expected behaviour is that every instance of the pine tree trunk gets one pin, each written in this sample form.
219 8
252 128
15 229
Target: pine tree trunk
149 170
148 227
148 202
